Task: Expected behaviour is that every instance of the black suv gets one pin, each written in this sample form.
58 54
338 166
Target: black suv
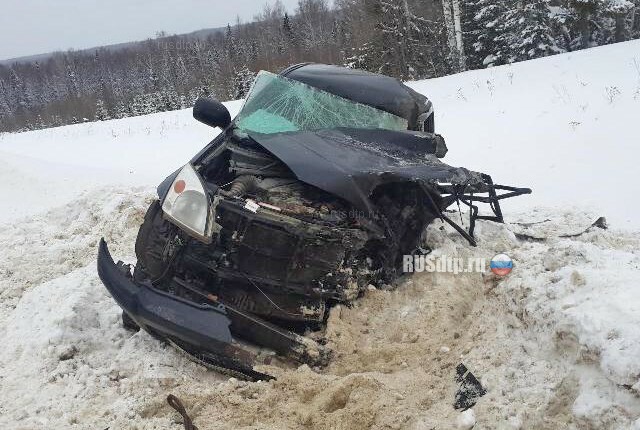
321 184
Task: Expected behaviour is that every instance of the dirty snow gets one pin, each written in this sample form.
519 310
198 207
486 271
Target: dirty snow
555 343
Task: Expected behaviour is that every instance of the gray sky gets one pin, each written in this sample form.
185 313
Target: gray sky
29 27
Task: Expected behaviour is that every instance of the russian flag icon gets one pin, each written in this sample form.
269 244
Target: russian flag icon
501 265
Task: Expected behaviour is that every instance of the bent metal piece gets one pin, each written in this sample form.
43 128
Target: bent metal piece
202 330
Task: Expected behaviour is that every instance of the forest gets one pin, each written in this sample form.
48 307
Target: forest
407 39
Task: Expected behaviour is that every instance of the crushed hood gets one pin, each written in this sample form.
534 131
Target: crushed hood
352 163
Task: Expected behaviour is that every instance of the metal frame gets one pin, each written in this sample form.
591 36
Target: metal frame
470 194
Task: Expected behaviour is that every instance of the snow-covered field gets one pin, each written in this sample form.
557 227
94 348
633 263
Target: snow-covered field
556 343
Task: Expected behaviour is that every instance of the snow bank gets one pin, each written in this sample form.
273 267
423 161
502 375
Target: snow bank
63 239
65 359
67 362
555 343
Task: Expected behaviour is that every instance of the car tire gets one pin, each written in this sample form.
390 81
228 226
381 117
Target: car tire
151 244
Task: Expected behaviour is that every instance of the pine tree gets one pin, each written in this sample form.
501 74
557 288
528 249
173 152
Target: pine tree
634 21
242 82
121 110
364 52
583 11
230 45
533 34
102 114
524 32
39 123
289 34
506 46
183 102
365 57
618 11
588 23
489 18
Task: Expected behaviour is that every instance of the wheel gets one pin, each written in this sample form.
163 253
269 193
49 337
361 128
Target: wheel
151 244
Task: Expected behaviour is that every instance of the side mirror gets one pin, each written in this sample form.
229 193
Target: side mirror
211 112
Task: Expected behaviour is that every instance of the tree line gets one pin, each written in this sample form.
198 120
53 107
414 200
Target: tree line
408 39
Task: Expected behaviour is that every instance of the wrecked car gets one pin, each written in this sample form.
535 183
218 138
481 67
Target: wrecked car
324 180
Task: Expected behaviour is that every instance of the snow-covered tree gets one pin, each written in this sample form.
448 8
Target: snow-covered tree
584 10
242 82
121 110
230 44
183 102
102 114
314 23
364 57
526 32
598 22
514 31
289 35
490 19
39 123
168 99
143 104
620 11
633 21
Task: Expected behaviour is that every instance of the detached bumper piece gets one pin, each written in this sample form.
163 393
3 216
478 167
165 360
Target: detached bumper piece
211 333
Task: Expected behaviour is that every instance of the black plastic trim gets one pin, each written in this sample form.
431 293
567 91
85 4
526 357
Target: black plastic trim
203 326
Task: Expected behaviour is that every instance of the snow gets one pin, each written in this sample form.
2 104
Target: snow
50 167
560 125
555 343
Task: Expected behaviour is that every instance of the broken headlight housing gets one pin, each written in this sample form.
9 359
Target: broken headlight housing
187 204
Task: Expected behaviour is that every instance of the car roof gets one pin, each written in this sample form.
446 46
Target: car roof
379 91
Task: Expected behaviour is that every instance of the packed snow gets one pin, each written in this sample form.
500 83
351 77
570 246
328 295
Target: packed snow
555 343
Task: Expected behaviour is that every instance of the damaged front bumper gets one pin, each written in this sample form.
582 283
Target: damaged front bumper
212 333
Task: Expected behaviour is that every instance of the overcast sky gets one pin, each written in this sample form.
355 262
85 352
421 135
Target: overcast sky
29 27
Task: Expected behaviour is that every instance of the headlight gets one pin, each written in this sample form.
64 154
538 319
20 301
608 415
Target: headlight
187 203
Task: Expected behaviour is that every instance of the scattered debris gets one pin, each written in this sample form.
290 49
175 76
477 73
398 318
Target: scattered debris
470 389
601 223
176 404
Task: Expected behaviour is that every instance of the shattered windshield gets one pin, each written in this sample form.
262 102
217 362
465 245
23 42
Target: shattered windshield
278 104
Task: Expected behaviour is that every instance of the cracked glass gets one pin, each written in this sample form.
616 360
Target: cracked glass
277 104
